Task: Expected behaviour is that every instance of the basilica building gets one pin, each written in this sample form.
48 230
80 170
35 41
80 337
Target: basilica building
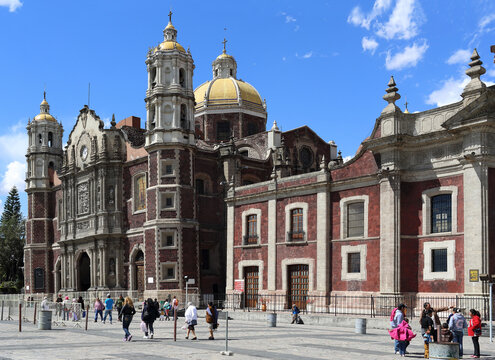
212 191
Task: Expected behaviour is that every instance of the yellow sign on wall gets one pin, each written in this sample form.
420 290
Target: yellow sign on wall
474 275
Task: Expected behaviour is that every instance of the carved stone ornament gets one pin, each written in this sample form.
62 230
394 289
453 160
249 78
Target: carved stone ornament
83 198
83 225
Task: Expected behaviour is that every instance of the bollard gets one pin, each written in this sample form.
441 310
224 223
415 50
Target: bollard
227 352
360 326
34 316
45 322
87 316
272 319
20 317
175 324
2 311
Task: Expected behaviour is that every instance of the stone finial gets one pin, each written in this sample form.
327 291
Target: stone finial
275 127
322 163
113 123
391 96
475 86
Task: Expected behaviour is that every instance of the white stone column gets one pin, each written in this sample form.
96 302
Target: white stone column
100 255
71 270
230 247
104 266
476 247
322 253
158 73
272 245
390 234
91 267
63 275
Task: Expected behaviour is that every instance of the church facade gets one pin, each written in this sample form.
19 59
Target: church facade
204 191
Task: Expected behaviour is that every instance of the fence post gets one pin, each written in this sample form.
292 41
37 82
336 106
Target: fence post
371 306
34 316
335 305
20 317
175 324
2 311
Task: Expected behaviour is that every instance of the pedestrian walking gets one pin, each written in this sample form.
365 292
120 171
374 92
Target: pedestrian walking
119 304
426 331
403 335
191 319
44 304
108 308
149 316
175 305
67 306
211 319
59 305
474 330
166 307
127 313
80 301
396 318
457 325
98 309
295 313
75 308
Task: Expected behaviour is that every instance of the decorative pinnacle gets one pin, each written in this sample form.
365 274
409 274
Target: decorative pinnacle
224 42
392 95
275 127
475 70
113 123
322 163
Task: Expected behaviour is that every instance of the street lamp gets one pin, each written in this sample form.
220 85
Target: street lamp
490 279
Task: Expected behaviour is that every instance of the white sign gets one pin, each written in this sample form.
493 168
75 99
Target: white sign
191 281
27 287
150 280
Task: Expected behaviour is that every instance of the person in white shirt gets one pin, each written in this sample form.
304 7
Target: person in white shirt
44 304
191 319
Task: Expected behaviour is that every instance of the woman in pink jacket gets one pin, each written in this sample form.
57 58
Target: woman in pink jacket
402 334
98 309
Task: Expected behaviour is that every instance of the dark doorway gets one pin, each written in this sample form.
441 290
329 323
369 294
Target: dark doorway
84 272
58 280
139 271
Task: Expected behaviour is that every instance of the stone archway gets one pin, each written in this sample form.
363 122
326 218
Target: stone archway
84 272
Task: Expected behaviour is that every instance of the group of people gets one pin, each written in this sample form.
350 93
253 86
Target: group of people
432 329
69 310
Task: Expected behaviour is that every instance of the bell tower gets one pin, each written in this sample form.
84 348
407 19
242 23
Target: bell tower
44 158
169 97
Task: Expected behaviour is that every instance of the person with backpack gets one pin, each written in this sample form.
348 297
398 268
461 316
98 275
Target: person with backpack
149 314
119 304
166 309
474 330
211 319
457 324
295 314
127 313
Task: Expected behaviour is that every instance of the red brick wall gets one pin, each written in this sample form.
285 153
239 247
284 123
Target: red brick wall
364 165
311 216
150 258
238 222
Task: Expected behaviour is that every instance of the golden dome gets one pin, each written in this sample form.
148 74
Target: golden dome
227 92
170 45
44 116
44 102
224 56
169 26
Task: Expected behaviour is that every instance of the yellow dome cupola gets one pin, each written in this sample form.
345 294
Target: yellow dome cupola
44 111
170 38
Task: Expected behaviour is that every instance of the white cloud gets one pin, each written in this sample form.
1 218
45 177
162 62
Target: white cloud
461 56
308 55
12 4
346 158
403 22
485 21
369 44
358 18
289 19
284 58
13 144
14 176
407 58
490 73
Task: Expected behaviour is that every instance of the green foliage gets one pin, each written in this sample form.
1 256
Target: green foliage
12 237
10 287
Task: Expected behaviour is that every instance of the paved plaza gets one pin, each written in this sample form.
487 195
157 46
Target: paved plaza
248 340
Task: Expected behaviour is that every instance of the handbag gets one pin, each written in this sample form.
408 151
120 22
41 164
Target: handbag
477 331
144 328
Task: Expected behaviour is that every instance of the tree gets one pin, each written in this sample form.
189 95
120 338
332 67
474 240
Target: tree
12 237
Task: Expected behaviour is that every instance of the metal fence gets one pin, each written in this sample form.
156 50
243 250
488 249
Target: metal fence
372 305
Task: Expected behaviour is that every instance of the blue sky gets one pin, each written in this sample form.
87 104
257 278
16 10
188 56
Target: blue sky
325 64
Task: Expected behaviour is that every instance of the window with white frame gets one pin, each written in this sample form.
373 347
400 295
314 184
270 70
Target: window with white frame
439 210
167 168
354 217
167 238
296 221
169 271
251 226
353 262
439 259
167 201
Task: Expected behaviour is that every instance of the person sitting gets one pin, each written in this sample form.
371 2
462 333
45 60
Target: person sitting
445 334
295 313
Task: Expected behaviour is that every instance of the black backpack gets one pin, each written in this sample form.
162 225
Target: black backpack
299 320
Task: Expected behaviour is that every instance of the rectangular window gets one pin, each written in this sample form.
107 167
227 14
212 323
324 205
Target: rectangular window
169 170
441 213
200 186
168 272
223 130
354 262
167 239
355 219
297 232
439 260
252 229
167 201
39 279
205 259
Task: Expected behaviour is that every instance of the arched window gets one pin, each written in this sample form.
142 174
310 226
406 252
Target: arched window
140 192
183 117
40 139
153 77
182 77
152 122
200 186
50 139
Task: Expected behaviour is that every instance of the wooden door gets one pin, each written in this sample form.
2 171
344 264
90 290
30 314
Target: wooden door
140 276
251 275
298 286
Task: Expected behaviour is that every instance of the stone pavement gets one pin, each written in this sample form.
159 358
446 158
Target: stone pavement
248 340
